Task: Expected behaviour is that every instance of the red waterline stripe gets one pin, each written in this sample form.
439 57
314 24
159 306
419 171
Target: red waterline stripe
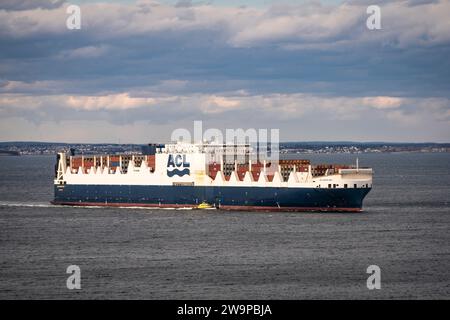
222 207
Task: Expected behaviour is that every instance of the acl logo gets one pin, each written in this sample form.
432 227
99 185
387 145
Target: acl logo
177 161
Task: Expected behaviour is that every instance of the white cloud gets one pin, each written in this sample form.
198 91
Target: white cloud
120 101
84 52
36 87
14 102
383 102
299 24
270 106
166 63
29 4
217 104
296 26
298 115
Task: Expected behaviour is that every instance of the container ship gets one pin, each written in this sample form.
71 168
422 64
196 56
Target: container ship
201 175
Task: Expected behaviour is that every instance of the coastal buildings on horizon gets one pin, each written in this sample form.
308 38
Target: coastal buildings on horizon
49 148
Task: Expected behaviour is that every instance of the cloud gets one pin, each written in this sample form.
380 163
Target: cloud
217 104
383 102
404 23
29 4
33 87
299 116
404 26
281 65
84 52
290 25
108 102
263 107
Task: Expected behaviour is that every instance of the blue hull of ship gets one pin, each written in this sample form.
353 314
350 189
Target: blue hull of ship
251 198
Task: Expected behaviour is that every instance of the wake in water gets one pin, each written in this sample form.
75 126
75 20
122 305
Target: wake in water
49 205
26 204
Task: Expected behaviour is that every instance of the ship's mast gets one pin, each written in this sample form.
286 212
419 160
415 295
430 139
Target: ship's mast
61 166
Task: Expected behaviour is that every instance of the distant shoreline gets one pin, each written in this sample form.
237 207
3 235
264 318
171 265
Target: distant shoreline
339 147
9 153
281 153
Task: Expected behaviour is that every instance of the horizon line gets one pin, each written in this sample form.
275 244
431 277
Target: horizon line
289 141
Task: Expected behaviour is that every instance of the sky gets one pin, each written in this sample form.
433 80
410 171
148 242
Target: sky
137 70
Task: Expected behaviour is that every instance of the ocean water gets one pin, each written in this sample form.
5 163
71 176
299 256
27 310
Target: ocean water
192 254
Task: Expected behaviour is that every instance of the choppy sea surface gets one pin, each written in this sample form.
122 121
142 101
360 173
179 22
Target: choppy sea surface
193 254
